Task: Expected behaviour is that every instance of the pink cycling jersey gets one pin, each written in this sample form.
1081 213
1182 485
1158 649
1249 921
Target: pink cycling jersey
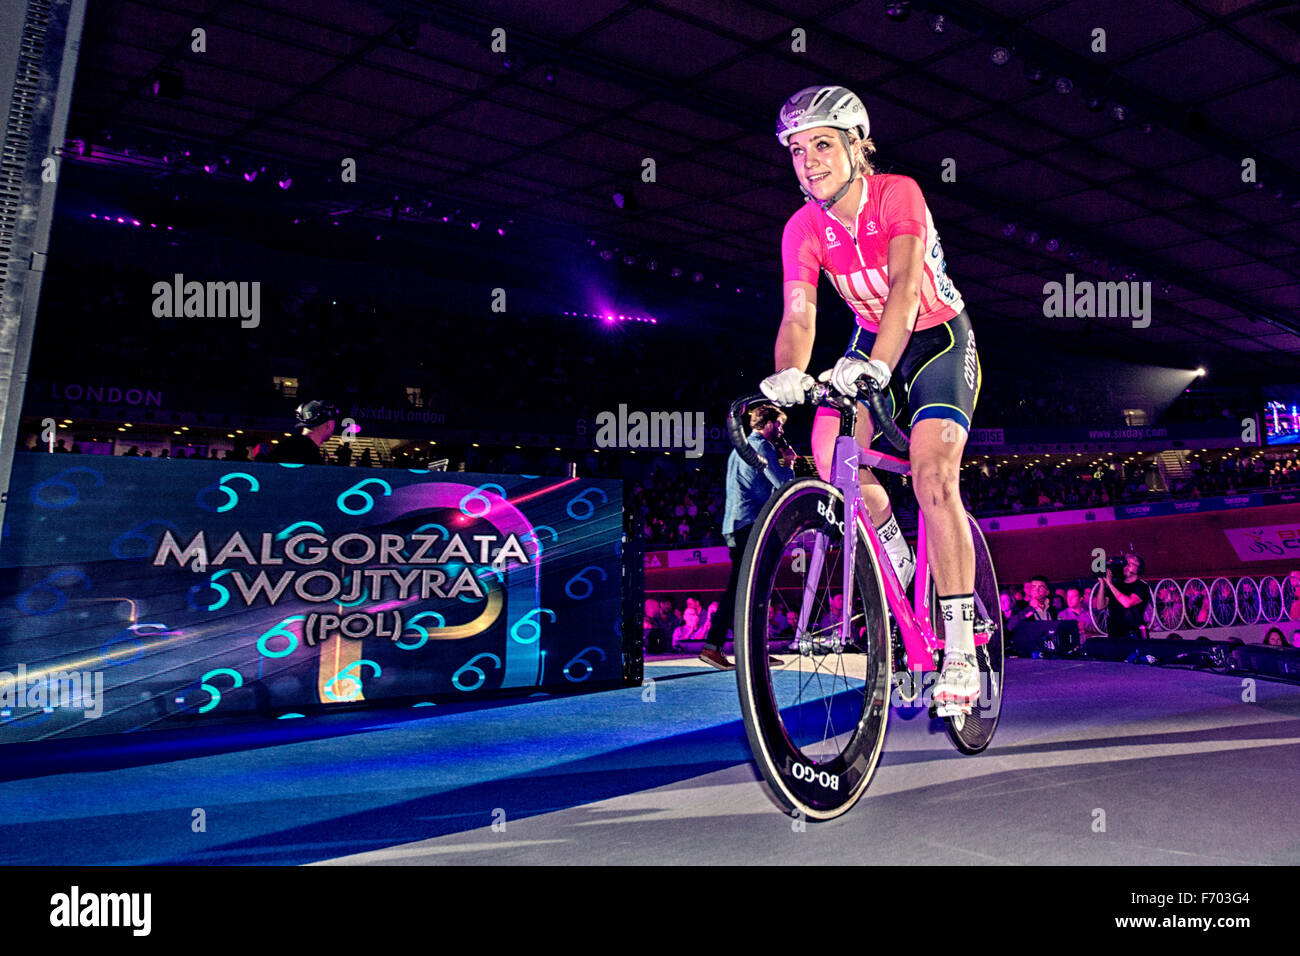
891 206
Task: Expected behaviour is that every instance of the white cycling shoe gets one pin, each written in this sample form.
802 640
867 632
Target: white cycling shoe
958 686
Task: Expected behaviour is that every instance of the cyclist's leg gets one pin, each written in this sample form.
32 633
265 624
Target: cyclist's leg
936 452
941 368
826 427
942 377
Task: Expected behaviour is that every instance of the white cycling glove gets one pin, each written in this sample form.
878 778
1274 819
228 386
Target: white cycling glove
787 387
848 370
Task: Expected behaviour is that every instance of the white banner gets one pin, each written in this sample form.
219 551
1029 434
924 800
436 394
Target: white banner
1046 519
687 558
1266 543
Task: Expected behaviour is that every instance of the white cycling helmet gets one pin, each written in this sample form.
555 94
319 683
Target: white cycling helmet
832 106
815 106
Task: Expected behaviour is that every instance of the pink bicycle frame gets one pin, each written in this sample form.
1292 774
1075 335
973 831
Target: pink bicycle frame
919 638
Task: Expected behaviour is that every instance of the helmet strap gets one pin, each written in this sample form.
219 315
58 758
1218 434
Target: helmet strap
826 204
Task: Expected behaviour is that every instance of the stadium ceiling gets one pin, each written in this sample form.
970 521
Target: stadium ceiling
1129 163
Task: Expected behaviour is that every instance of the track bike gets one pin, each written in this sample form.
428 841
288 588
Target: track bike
816 721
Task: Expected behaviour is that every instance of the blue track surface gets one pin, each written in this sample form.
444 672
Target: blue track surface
298 791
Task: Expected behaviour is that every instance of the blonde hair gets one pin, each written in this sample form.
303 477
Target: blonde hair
862 150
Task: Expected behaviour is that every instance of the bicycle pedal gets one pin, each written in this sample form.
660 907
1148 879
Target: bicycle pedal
903 679
952 710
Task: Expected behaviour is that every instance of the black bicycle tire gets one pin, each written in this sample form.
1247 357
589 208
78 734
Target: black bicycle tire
977 740
774 752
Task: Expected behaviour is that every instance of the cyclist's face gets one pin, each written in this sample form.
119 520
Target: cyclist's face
820 161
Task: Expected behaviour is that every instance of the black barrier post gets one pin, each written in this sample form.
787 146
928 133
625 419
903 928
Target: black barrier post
633 595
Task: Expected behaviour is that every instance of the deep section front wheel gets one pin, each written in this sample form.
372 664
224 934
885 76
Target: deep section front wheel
972 732
815 721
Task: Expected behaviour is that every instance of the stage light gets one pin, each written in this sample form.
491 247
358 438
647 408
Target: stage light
1031 237
1093 100
898 10
1064 85
475 225
1009 229
697 277
606 254
1000 55
629 260
1051 245
285 181
1035 73
1147 126
1200 371
676 272
1119 112
168 84
938 23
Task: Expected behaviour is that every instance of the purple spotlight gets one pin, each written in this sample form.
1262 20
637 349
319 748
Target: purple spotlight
135 222
286 182
153 225
93 216
609 320
121 219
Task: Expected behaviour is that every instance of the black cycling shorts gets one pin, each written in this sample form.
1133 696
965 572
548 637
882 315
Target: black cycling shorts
940 370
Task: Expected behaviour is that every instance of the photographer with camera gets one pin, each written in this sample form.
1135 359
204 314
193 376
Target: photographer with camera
747 492
1129 597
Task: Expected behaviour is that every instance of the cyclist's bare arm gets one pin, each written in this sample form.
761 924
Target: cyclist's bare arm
906 266
794 341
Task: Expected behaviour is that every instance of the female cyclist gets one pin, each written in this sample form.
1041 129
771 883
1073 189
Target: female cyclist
872 235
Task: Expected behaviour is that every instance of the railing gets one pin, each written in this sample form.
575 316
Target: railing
1224 602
